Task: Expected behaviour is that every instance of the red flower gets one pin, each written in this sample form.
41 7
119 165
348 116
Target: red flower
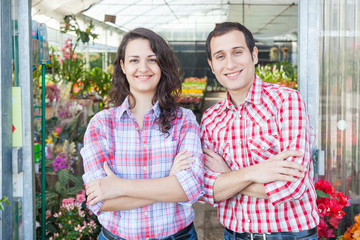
324 186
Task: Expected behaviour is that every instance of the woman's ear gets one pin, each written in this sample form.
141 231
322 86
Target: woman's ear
122 66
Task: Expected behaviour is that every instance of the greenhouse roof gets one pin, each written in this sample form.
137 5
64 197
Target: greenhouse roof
184 20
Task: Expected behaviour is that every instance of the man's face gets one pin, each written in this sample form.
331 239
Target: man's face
232 63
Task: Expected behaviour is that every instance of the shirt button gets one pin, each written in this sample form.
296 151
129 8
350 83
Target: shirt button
145 145
263 147
146 213
144 168
249 220
239 142
147 238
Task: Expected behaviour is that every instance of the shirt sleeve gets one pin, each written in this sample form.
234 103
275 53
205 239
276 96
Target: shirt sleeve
94 153
210 176
295 134
192 179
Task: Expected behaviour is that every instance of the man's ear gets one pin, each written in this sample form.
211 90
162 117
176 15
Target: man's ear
254 55
210 64
122 66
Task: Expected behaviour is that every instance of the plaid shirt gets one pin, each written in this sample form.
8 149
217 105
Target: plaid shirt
271 120
114 136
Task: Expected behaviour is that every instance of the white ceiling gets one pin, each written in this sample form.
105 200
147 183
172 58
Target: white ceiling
184 19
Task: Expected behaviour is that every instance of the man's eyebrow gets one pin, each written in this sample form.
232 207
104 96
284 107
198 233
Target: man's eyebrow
241 47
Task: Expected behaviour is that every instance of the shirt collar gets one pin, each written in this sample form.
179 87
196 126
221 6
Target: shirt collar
124 107
254 95
256 91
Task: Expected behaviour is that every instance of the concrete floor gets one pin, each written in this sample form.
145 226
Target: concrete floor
206 222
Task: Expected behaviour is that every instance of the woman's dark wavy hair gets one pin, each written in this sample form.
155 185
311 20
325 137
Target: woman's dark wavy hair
169 87
225 27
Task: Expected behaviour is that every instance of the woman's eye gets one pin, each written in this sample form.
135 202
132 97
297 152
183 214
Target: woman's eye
133 60
152 60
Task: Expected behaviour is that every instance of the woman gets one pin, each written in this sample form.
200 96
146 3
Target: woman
143 159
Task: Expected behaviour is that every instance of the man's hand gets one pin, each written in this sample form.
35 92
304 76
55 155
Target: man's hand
182 161
276 169
215 162
102 189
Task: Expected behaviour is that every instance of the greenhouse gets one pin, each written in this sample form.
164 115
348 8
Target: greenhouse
125 123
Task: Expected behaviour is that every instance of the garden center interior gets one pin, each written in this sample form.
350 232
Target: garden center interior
56 66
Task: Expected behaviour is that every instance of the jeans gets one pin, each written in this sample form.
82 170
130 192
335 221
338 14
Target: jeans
190 235
280 236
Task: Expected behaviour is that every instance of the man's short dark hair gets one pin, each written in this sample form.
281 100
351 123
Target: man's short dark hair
225 27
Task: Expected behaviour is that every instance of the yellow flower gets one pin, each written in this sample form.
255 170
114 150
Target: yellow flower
56 135
49 140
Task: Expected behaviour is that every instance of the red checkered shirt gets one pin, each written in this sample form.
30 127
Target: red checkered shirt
114 136
271 120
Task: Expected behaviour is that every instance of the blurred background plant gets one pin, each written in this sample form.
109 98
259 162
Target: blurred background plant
73 220
330 204
283 73
4 199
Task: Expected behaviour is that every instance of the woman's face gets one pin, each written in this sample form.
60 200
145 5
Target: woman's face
141 67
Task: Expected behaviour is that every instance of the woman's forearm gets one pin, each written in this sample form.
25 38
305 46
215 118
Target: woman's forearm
124 203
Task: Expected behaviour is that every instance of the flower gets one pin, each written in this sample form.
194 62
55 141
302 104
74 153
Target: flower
353 232
49 140
330 204
60 162
73 221
80 197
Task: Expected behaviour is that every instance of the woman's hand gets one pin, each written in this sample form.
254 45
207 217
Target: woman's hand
215 162
182 161
104 188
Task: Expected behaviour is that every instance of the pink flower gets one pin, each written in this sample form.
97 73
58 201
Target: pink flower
74 57
67 54
66 201
61 60
57 130
80 197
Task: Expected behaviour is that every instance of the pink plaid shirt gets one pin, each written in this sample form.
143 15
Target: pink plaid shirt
114 136
272 119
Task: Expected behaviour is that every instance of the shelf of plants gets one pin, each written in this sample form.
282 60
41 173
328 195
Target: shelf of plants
193 92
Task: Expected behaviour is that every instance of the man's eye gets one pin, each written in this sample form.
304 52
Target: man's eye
220 57
238 52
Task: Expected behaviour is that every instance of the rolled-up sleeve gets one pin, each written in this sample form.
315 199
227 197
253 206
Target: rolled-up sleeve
210 176
296 134
95 152
192 179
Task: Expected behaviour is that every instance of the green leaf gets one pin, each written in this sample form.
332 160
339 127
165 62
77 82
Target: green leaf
63 175
61 189
73 190
321 194
77 180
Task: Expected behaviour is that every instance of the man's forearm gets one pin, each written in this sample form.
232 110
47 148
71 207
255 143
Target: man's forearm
166 189
256 190
228 184
124 203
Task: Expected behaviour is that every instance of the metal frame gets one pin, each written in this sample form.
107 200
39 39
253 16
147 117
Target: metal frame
309 28
6 118
26 83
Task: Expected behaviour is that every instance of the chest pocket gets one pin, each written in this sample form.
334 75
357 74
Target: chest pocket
263 147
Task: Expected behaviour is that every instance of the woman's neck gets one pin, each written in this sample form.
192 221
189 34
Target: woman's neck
143 104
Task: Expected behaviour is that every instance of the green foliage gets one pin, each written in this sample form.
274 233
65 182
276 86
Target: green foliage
321 194
282 73
72 221
71 25
4 199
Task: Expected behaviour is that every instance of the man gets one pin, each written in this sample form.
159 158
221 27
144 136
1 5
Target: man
246 139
